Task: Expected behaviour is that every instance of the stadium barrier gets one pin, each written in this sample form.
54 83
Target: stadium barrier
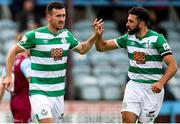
100 112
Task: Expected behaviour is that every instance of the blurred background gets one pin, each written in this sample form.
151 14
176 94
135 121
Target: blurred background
95 82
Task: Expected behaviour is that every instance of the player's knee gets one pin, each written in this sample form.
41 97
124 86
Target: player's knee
128 117
128 120
46 120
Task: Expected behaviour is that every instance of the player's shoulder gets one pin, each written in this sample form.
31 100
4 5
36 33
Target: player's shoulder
160 37
65 31
33 32
154 33
27 60
26 63
125 36
41 29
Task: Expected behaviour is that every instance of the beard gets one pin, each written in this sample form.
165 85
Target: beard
134 31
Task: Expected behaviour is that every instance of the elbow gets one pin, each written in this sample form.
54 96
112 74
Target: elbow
100 47
82 52
176 68
99 50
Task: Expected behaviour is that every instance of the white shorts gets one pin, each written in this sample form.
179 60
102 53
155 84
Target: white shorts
142 101
47 107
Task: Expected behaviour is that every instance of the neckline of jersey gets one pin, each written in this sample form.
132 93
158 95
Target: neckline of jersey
54 34
147 33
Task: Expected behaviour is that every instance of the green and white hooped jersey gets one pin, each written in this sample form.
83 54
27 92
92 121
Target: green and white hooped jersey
48 59
145 55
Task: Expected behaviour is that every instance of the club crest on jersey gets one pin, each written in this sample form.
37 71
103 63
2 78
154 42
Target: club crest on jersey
148 44
63 40
57 53
44 112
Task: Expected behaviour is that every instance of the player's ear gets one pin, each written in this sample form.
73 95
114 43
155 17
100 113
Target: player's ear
142 23
48 16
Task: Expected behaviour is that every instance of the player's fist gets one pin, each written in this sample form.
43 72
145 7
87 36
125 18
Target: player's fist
156 87
7 82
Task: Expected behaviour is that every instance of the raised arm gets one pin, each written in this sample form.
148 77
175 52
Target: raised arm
86 45
102 45
105 45
9 64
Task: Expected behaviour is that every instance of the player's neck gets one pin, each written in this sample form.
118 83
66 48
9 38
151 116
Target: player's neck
142 32
51 29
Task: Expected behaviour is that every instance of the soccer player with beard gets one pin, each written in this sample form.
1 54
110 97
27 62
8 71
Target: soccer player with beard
147 50
49 47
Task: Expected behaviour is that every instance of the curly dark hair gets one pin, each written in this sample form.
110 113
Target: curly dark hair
141 13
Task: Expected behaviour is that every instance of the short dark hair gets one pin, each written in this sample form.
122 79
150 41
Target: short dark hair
54 5
141 13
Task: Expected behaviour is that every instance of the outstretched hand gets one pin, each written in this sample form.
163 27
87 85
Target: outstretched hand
98 26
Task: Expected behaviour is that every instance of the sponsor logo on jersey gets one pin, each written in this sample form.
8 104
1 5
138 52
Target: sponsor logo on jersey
23 40
166 46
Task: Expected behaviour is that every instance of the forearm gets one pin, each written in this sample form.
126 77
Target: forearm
86 46
100 44
2 89
169 73
9 62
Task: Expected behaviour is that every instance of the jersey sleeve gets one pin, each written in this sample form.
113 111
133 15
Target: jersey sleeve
26 41
73 41
26 67
162 46
122 41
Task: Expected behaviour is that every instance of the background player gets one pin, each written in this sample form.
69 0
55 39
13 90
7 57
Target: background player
19 102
